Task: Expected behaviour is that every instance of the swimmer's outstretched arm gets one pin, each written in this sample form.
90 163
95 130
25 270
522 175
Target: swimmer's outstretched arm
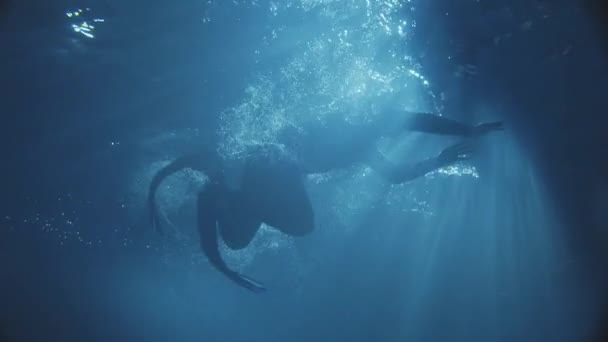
435 124
395 120
401 173
208 214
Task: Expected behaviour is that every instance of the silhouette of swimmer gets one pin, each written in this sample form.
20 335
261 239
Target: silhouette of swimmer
272 187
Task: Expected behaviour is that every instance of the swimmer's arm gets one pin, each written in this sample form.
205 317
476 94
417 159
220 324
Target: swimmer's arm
435 124
401 173
441 125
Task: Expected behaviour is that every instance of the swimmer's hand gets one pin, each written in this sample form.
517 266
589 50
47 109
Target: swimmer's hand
487 127
454 153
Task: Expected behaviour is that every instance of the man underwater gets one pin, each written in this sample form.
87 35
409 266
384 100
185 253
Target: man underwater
272 189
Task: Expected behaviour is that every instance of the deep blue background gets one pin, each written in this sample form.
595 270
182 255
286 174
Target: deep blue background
147 73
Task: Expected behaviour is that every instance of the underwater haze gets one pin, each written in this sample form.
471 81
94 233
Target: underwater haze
510 244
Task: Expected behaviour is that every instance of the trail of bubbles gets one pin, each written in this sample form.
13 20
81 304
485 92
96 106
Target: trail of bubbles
352 59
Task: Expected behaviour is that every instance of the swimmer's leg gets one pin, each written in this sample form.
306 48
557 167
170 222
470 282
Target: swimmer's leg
293 214
274 190
207 161
208 205
398 173
237 221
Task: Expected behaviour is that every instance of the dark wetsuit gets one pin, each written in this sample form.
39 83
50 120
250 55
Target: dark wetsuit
272 190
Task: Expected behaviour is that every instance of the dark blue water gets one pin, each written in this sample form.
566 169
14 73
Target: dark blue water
508 246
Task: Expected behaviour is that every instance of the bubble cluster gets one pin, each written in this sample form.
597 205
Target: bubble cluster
352 59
